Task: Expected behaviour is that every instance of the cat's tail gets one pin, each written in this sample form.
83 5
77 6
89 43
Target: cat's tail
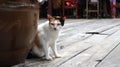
36 50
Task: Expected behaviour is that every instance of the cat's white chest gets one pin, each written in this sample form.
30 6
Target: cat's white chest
46 34
54 34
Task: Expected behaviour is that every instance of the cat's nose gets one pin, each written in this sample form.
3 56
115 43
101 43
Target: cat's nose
55 29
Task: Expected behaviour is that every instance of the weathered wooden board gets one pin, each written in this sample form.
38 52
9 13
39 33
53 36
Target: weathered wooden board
86 55
80 58
95 40
112 60
106 46
77 30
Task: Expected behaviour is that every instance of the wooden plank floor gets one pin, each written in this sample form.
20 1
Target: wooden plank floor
85 43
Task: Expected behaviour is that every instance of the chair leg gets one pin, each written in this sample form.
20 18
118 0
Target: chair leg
86 9
76 13
63 12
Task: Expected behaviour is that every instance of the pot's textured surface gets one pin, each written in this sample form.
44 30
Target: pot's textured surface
18 25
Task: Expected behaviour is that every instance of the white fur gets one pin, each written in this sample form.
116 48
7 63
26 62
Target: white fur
47 37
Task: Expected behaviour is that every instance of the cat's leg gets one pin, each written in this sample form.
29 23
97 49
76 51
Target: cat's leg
47 52
54 48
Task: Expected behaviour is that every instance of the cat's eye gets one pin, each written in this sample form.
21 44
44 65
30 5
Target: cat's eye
58 24
52 23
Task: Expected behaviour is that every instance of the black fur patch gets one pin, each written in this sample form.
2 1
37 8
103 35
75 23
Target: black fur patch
61 20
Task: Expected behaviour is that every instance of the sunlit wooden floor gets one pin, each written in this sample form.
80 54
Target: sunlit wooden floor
85 43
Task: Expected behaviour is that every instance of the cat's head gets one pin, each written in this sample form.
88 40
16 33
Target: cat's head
56 22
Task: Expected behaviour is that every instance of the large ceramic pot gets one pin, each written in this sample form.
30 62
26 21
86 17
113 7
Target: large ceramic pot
18 27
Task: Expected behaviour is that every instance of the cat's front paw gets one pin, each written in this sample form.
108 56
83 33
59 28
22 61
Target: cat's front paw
49 58
58 56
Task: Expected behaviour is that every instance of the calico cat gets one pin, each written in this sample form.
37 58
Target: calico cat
47 36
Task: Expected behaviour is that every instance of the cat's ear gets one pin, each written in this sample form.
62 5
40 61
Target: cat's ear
49 16
63 20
